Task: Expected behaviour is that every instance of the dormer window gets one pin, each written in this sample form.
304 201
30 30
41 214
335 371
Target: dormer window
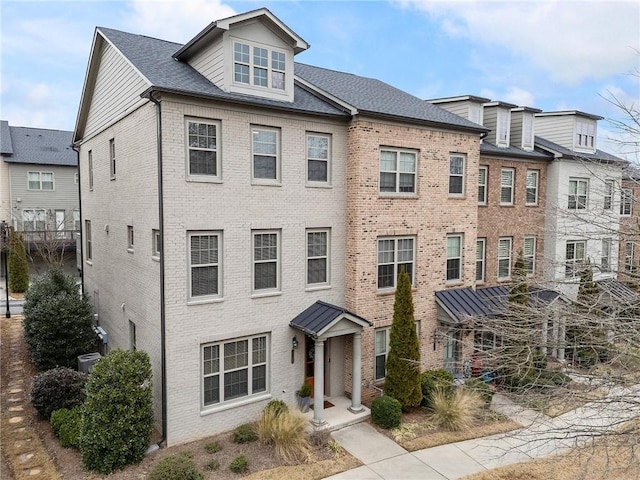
503 128
259 66
585 135
527 131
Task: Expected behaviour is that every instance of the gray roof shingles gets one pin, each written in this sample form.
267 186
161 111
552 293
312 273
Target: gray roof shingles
599 156
6 147
39 146
487 148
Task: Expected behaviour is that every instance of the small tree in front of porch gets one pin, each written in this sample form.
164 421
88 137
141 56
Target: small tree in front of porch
403 362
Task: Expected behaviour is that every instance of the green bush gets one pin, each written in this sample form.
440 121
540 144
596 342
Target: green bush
67 425
386 412
240 464
176 467
17 264
213 465
277 406
213 447
477 385
57 388
118 418
57 321
433 380
245 433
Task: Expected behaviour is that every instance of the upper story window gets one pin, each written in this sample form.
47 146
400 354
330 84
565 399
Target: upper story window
480 258
202 141
502 133
259 66
266 261
395 255
575 257
76 220
397 171
529 255
265 145
90 161
88 244
527 131
585 135
506 186
608 194
205 265
578 191
40 180
605 257
628 256
318 158
626 201
456 175
112 158
454 258
504 258
483 175
532 187
318 257
34 220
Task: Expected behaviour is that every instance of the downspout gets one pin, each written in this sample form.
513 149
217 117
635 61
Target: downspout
163 361
75 148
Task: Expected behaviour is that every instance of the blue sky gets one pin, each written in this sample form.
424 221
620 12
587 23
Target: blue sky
552 55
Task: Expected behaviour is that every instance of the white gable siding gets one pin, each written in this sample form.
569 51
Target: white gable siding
117 90
558 129
5 206
210 63
516 129
491 122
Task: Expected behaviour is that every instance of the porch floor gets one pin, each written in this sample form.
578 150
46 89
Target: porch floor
339 415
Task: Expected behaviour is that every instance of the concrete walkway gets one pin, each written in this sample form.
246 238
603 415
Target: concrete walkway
541 436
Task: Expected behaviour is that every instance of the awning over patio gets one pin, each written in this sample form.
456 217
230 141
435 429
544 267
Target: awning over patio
323 319
618 292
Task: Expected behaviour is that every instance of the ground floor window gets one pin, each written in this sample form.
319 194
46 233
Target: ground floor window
234 369
382 350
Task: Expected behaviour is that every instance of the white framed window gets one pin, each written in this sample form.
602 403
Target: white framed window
88 253
156 246
578 191
112 158
626 201
575 257
605 257
265 146
585 135
381 352
456 175
203 149
76 178
34 219
608 194
628 256
76 220
502 134
395 254
533 177
205 269
130 238
481 244
90 161
40 181
454 257
529 255
235 369
504 257
483 176
527 131
398 171
484 340
259 66
318 255
266 261
506 186
132 336
318 158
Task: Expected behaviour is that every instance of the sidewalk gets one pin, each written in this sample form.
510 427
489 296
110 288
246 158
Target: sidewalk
540 436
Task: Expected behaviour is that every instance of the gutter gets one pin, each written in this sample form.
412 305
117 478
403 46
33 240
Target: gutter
163 356
75 148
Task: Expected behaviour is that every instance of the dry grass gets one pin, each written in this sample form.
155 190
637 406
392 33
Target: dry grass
287 432
309 471
455 412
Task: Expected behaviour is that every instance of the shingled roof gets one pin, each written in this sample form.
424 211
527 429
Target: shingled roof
552 147
487 148
37 146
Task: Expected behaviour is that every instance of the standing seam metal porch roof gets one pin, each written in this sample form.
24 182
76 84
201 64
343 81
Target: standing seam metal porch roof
315 319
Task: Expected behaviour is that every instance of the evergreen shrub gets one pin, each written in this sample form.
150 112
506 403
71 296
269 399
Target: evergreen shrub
57 388
432 380
176 467
67 425
386 412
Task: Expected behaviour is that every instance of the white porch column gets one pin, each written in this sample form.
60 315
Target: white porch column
318 385
356 388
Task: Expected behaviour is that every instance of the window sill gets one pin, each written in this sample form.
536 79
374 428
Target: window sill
266 183
130 250
316 288
507 205
484 204
89 262
531 205
266 294
204 301
155 259
504 280
456 197
397 195
203 179
234 404
454 283
318 185
112 178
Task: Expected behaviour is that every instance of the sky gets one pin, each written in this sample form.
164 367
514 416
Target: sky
551 55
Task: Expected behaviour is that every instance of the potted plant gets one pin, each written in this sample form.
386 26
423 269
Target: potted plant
304 397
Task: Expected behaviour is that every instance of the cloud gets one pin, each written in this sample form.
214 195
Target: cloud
572 41
38 94
174 20
511 94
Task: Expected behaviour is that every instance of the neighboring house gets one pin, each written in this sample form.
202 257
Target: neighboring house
629 247
245 218
39 183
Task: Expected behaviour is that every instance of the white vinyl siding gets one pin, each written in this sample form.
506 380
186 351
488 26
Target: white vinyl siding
504 258
506 186
205 272
398 171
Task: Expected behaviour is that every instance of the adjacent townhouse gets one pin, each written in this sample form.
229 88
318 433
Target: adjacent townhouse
245 218
39 187
629 251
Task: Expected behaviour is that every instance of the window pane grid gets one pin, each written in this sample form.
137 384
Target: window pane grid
204 265
317 158
394 256
454 257
265 154
506 186
504 258
532 187
456 175
482 185
317 257
397 171
265 261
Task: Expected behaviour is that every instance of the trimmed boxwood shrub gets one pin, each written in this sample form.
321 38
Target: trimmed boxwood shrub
386 412
118 418
245 433
57 321
57 388
176 467
432 380
477 385
67 425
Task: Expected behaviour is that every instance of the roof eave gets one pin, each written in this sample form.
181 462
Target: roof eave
431 123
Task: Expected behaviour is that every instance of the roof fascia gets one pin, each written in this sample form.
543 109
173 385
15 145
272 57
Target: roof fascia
333 99
352 318
445 126
570 112
456 320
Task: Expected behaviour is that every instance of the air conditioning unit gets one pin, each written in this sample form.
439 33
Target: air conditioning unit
87 361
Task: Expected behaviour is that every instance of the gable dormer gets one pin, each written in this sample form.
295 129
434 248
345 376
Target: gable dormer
251 53
466 106
497 118
522 133
571 129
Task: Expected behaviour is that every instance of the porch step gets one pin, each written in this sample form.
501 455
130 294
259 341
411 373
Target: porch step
339 416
